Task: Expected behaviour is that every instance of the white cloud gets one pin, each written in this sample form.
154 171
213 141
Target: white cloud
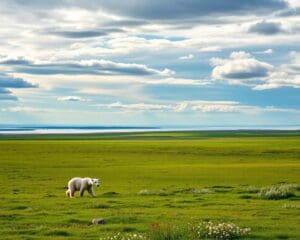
243 69
187 57
82 67
286 75
196 106
267 51
137 106
181 107
24 109
211 49
72 99
177 81
240 68
240 55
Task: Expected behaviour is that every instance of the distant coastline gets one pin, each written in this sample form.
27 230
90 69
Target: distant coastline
60 129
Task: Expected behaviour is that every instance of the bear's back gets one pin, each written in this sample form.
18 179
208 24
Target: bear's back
76 182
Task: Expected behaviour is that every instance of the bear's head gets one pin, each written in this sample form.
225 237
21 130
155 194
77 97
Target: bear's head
94 182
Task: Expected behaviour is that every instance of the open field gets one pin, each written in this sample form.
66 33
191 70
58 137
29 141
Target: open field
148 178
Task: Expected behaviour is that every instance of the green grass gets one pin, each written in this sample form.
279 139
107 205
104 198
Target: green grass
146 179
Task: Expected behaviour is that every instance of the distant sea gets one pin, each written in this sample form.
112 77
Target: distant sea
20 129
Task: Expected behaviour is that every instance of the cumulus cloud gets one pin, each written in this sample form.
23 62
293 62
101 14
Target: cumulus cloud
266 28
92 67
287 75
240 66
243 69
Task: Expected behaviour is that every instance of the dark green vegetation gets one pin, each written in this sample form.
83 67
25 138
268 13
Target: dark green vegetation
151 178
180 135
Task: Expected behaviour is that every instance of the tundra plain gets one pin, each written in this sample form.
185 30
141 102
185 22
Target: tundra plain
148 178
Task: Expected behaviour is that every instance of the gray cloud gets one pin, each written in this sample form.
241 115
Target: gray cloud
289 12
6 95
145 9
125 23
83 33
92 67
7 81
240 68
266 28
156 9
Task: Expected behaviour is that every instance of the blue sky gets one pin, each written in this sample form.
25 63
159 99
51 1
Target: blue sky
140 62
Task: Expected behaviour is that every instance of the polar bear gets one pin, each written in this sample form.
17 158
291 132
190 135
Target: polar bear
82 184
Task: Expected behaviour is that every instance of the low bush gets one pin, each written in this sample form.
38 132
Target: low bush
203 230
281 191
210 230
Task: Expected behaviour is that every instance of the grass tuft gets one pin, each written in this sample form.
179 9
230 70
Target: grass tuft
276 192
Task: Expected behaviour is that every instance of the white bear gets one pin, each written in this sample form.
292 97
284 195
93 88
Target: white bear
82 184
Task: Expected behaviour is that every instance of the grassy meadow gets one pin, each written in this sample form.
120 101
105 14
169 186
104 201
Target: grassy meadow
148 178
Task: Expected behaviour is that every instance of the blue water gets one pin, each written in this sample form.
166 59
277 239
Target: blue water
47 129
17 129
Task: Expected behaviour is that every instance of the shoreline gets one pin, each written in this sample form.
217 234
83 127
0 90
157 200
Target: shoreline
11 131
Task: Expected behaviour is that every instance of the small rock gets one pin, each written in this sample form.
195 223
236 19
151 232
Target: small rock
98 221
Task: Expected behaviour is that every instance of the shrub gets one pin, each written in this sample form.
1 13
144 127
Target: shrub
203 230
225 231
275 192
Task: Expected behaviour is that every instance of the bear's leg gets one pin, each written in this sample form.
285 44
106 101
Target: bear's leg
91 192
72 192
81 192
68 193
